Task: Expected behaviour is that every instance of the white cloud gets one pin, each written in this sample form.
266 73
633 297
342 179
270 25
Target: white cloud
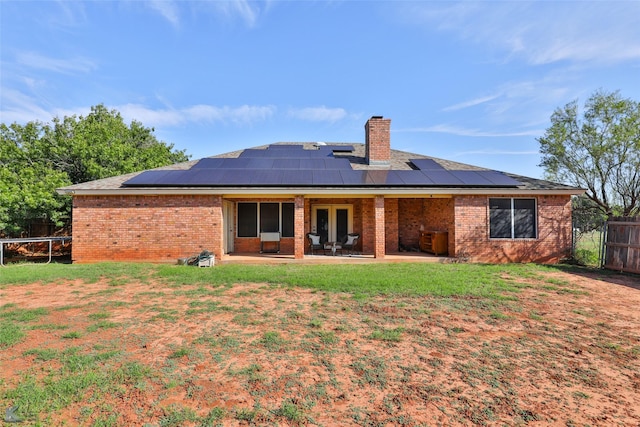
540 32
21 108
64 66
168 10
471 103
68 15
17 107
494 152
318 114
248 11
524 103
244 114
460 131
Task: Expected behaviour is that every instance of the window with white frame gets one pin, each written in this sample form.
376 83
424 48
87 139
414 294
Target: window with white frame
254 218
512 218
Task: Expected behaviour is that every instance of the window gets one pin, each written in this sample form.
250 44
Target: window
247 224
512 218
269 217
265 217
288 219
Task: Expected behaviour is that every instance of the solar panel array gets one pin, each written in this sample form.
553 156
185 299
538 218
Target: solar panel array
294 166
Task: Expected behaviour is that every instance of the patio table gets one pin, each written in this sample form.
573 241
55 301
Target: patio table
333 247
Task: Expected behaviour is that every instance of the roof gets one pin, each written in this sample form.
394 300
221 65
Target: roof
312 168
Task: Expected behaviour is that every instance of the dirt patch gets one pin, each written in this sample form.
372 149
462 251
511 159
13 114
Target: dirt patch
562 350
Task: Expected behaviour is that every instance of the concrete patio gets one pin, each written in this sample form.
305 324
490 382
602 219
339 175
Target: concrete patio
274 258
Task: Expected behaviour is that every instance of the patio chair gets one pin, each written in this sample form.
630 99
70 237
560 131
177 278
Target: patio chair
314 242
349 242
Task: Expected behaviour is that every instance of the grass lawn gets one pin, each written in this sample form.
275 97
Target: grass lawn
378 344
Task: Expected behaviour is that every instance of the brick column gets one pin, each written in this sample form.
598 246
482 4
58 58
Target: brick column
218 229
391 219
379 225
298 227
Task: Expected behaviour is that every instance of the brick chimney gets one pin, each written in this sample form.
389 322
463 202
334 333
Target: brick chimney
378 141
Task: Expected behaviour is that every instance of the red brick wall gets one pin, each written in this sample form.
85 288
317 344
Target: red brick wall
472 232
145 228
165 228
416 215
410 217
391 225
439 215
368 225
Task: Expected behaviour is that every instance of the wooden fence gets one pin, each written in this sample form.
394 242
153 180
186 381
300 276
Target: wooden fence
622 244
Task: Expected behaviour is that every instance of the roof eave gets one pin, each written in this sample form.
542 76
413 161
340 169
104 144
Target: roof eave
313 191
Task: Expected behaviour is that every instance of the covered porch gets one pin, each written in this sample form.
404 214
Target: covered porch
388 226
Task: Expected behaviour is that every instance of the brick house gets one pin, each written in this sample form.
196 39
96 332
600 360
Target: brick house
396 201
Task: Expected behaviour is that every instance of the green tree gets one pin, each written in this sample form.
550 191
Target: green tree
27 185
599 151
587 216
101 145
37 158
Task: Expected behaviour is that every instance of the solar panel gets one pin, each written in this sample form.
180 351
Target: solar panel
413 178
209 162
499 178
314 164
337 164
292 165
146 178
442 177
319 154
253 152
426 164
239 163
393 179
306 177
293 151
196 177
471 178
236 177
290 147
378 177
286 163
266 177
323 177
297 177
260 163
351 177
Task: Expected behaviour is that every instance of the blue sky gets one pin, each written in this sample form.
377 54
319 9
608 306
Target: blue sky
474 82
